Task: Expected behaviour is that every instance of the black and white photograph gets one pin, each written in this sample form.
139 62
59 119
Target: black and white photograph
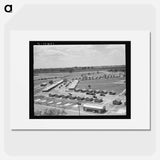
80 79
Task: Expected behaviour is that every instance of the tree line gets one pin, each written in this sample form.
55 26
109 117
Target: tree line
80 69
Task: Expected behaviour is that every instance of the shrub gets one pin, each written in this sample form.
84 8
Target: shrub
117 102
50 112
50 82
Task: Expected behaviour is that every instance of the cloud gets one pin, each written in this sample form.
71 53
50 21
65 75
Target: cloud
42 51
78 55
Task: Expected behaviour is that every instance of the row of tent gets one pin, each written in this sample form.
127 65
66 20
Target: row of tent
97 91
98 77
76 98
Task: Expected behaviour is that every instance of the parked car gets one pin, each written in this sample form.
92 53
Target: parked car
105 92
102 94
84 90
77 89
67 96
51 95
63 96
117 102
112 92
43 84
80 98
88 99
98 100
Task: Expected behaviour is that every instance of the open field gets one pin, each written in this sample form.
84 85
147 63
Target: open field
104 84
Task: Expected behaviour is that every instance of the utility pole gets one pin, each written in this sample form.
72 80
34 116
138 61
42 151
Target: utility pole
79 107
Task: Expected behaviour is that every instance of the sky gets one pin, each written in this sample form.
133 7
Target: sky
61 56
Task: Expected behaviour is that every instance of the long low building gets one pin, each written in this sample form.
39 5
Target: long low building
94 107
73 85
48 88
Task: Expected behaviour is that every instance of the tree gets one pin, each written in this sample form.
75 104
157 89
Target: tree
71 70
50 82
65 80
89 86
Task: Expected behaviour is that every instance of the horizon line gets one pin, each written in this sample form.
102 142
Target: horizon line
81 66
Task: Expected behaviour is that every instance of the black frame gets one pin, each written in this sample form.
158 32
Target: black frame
128 79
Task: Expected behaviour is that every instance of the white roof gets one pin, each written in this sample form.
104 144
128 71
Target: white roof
50 102
67 104
52 85
73 84
44 83
37 100
91 105
43 100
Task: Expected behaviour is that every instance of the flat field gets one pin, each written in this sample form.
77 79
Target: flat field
104 84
